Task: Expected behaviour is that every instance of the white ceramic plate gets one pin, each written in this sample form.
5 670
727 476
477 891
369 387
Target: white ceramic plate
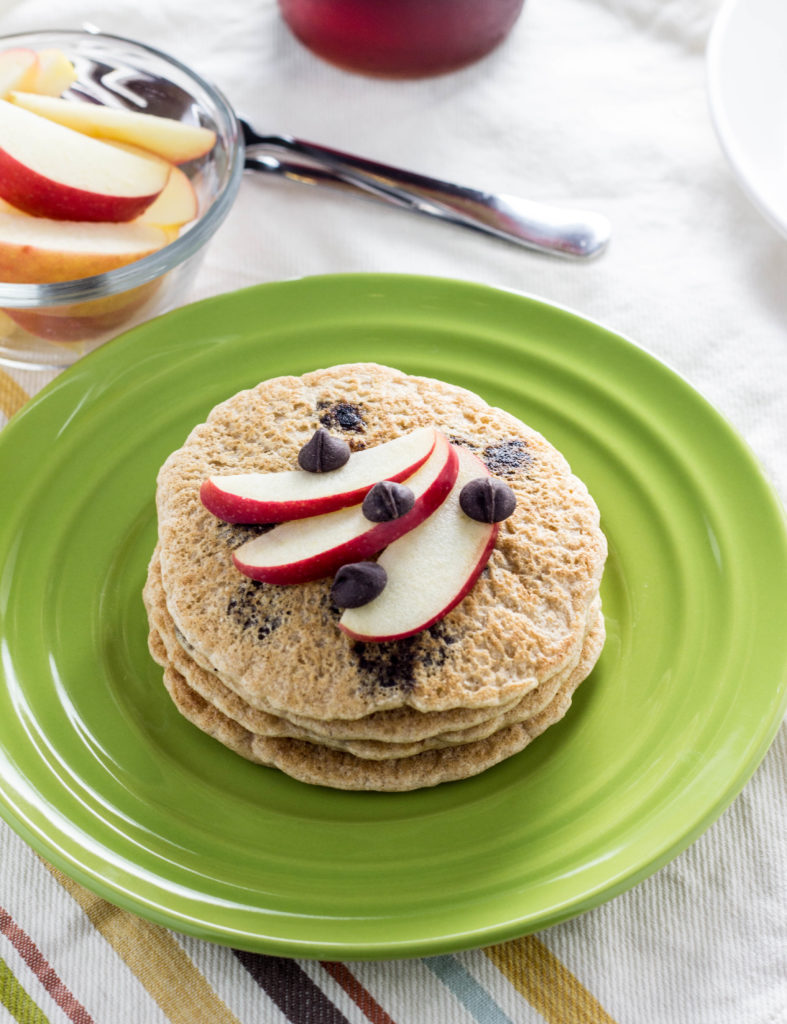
747 88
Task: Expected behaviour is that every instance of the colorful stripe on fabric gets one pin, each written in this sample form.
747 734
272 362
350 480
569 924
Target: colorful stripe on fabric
362 998
12 395
184 994
154 956
467 990
16 1000
527 964
291 989
546 983
45 973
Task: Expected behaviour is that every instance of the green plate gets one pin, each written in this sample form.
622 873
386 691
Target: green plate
102 776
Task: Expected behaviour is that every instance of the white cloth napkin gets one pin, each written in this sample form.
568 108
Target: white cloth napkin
593 103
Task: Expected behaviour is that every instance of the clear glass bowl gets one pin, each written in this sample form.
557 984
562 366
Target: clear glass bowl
51 325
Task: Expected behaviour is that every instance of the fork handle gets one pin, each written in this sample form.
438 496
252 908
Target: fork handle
562 231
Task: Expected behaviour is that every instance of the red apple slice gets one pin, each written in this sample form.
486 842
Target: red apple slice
51 171
430 569
35 250
18 68
296 494
174 140
176 204
308 549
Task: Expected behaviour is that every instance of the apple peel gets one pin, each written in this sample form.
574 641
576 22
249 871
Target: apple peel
36 249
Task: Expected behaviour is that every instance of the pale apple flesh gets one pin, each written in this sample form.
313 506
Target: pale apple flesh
177 203
49 170
35 250
310 549
53 75
177 141
296 494
18 69
175 206
430 569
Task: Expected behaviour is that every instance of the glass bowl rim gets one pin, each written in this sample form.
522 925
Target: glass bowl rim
176 252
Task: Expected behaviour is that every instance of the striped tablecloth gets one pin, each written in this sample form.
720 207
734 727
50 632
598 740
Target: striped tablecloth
597 102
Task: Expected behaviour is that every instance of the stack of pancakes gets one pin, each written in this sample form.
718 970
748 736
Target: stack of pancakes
265 669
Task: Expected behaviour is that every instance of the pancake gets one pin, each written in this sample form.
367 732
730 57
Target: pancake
168 652
398 725
279 649
320 765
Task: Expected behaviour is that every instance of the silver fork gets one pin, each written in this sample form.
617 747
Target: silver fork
561 231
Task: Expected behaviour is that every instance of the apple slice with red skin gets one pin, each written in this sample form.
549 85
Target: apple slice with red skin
308 549
176 204
430 569
296 494
177 141
51 171
36 250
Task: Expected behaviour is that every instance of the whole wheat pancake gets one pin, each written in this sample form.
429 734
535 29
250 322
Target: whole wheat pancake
321 765
398 725
280 649
166 649
267 726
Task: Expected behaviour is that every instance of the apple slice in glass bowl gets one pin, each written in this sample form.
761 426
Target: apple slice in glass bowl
49 170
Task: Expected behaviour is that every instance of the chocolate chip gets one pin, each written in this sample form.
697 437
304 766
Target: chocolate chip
323 453
387 500
358 583
487 500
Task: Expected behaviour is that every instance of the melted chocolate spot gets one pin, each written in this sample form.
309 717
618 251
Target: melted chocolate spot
384 666
506 457
245 608
342 416
387 665
268 626
436 655
462 442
